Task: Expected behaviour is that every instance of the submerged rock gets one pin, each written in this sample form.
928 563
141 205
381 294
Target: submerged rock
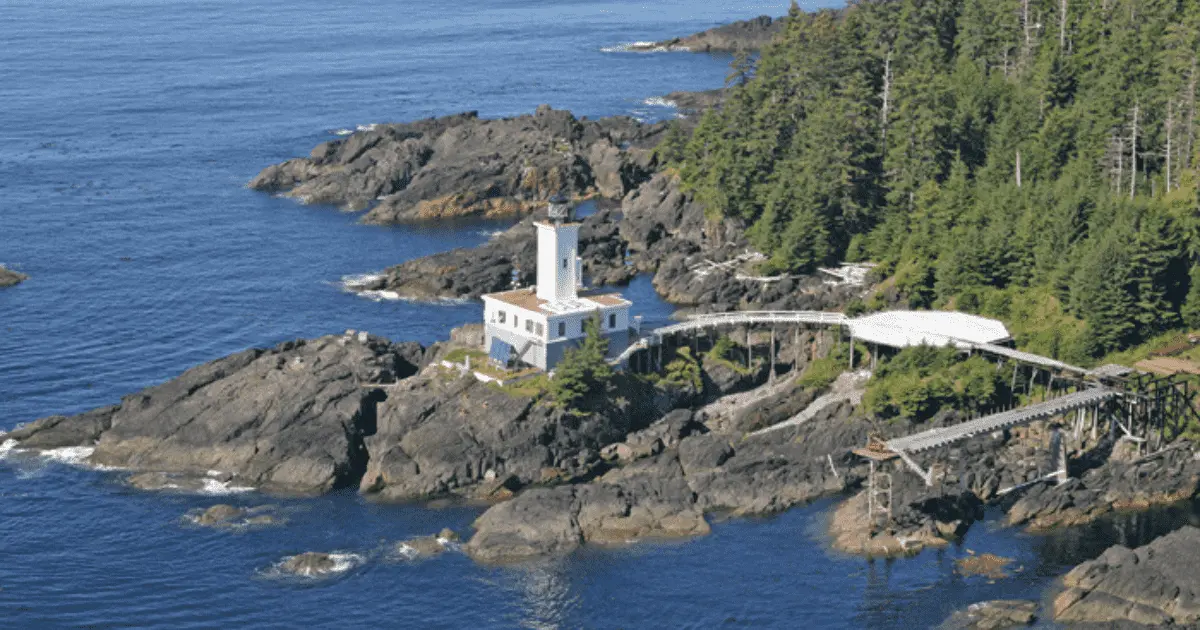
316 564
993 615
220 513
427 546
10 278
1156 584
225 516
462 165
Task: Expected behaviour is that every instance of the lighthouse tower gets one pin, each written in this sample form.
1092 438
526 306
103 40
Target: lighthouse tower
535 326
559 268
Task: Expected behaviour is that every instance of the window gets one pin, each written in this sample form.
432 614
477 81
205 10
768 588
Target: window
564 263
500 316
529 325
515 325
612 320
582 326
562 329
541 332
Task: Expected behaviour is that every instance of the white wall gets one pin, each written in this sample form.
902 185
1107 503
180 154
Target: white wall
574 322
557 243
492 308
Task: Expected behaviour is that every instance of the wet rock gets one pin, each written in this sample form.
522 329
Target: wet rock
287 419
987 565
10 278
310 564
220 513
62 431
993 615
462 165
1153 585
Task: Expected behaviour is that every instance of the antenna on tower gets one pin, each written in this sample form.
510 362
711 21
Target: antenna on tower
560 209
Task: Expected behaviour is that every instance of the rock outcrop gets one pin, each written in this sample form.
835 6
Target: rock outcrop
666 493
471 272
10 278
292 418
1167 477
993 615
752 34
462 165
1153 585
441 433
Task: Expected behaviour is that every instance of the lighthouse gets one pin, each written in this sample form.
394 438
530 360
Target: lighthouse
536 325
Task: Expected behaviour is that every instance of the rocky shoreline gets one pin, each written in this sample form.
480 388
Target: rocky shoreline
749 35
462 165
650 459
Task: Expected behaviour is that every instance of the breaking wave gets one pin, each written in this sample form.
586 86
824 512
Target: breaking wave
642 47
658 101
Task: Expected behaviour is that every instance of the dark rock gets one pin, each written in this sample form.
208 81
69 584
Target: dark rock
1119 484
1001 613
646 500
749 35
312 564
1154 585
462 165
471 272
10 278
440 433
692 103
62 431
218 514
287 419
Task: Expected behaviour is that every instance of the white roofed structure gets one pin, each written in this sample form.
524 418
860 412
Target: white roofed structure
901 329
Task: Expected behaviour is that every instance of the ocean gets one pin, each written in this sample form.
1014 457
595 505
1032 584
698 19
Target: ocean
130 129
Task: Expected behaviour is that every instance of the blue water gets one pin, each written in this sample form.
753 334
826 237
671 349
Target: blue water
129 130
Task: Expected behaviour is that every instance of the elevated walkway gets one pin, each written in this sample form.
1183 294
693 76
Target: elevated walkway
903 337
943 436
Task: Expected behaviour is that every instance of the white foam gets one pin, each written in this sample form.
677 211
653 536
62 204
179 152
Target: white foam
70 455
213 487
642 47
370 127
658 101
490 233
342 562
406 551
360 280
7 447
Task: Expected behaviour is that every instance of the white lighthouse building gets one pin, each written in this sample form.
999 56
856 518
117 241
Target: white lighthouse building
536 325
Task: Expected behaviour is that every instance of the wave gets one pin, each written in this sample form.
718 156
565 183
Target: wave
348 132
8 446
360 280
658 101
215 487
70 455
642 47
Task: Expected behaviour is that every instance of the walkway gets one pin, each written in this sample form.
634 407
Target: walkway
823 318
943 436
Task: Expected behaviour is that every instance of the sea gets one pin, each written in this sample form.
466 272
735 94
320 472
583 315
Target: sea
129 130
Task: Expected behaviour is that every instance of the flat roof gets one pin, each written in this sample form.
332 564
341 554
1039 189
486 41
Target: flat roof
900 329
587 301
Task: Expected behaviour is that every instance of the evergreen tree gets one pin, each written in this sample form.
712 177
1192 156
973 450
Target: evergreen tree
583 370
